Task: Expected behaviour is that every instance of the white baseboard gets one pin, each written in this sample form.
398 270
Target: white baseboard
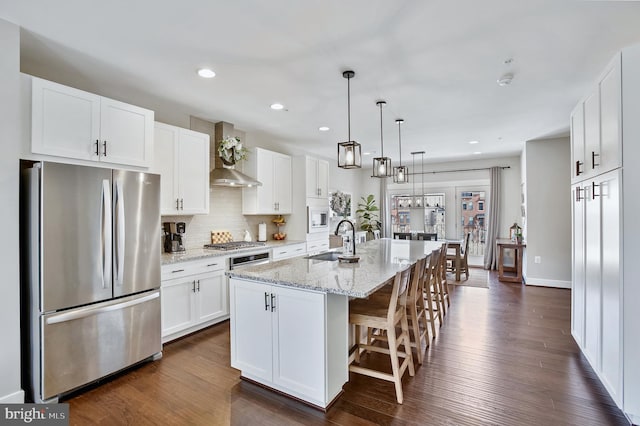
13 398
543 282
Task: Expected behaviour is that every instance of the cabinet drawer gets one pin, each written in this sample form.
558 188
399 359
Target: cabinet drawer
288 251
183 269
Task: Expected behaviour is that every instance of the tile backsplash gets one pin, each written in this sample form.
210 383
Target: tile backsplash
225 214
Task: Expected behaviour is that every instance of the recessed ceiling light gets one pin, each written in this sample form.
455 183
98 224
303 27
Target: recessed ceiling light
366 153
477 152
277 107
323 128
206 73
473 142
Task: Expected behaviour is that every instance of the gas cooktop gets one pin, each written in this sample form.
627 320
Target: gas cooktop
234 245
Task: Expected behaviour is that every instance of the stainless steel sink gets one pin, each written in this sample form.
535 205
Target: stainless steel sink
329 255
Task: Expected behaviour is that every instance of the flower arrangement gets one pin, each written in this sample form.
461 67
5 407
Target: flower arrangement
231 150
340 203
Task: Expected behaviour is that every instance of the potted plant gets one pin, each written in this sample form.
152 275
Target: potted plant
368 215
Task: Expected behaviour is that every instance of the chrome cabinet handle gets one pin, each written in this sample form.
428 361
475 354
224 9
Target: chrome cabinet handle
578 198
593 191
593 159
273 302
211 264
266 301
181 203
104 146
177 270
177 203
198 282
97 147
193 283
578 164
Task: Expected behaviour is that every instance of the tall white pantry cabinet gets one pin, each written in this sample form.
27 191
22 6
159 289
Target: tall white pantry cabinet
605 139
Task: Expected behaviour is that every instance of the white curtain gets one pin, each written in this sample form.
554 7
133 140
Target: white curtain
490 256
385 215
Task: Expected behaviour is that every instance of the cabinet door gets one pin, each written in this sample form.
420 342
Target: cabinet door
65 121
609 192
577 142
311 176
593 287
126 133
165 163
211 299
592 133
251 328
298 342
282 183
177 305
265 194
611 118
578 288
323 179
193 172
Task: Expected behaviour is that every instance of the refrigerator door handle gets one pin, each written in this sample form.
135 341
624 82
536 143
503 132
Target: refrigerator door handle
106 233
119 234
90 311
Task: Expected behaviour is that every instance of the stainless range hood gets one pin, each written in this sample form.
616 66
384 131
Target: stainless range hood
219 175
231 177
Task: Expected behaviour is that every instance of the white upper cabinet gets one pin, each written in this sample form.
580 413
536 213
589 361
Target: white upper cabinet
182 159
71 123
611 118
273 170
577 143
317 178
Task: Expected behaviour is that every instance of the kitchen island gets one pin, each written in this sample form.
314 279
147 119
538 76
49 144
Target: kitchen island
290 319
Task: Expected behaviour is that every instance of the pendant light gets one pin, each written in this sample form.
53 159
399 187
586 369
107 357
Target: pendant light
417 201
349 152
381 165
400 173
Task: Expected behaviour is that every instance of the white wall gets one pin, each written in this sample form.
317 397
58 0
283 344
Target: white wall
548 230
10 390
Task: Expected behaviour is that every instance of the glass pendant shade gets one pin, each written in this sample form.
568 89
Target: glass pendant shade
401 174
382 167
349 153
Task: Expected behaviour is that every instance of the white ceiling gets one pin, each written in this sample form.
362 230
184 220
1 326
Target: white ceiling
435 63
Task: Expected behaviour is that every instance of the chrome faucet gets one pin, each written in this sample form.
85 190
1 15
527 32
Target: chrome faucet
353 234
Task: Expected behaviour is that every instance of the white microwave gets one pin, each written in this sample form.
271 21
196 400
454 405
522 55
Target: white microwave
317 219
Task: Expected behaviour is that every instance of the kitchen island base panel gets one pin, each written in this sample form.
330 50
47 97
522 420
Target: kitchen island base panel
287 394
290 339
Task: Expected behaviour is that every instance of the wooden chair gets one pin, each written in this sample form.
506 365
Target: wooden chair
442 273
402 235
428 296
464 265
376 234
386 317
426 236
416 314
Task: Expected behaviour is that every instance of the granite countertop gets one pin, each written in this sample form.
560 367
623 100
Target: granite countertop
202 253
379 262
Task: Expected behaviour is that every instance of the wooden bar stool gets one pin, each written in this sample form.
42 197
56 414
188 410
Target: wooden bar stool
428 294
371 314
416 315
442 270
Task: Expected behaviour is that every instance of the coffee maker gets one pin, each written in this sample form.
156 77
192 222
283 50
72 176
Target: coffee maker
174 236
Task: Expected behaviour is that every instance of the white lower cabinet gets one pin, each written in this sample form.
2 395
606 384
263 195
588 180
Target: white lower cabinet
194 296
290 339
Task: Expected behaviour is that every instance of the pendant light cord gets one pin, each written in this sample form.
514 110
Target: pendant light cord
400 142
381 143
349 108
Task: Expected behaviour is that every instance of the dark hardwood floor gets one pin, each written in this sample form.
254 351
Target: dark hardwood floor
503 356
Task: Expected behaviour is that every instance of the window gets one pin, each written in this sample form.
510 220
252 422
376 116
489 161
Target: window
470 205
480 205
430 217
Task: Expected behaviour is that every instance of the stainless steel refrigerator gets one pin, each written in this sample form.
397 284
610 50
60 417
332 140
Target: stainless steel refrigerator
91 282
